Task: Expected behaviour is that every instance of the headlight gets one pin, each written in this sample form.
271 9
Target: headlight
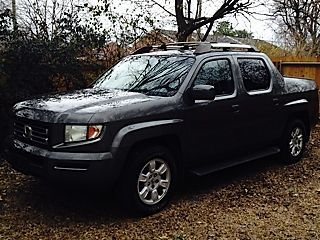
77 133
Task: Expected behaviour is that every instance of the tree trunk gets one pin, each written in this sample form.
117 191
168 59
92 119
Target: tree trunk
187 25
14 16
182 25
182 36
199 15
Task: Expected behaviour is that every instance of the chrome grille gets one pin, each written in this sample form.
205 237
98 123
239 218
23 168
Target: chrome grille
31 132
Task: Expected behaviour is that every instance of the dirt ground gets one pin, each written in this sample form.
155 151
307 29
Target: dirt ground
259 200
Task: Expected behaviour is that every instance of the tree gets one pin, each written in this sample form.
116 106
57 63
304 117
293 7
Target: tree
47 19
126 20
299 24
189 15
243 34
49 50
5 24
225 28
188 22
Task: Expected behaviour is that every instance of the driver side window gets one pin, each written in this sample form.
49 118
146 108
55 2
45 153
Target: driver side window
218 74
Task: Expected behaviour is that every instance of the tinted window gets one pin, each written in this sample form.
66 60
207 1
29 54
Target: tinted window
218 74
255 74
151 75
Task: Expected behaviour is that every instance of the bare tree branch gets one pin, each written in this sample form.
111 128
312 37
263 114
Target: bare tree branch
299 22
163 8
186 25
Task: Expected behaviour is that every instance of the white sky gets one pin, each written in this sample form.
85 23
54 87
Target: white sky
260 27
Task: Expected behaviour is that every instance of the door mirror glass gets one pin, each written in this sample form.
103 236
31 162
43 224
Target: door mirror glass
203 92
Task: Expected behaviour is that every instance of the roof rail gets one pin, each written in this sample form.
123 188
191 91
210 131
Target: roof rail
183 44
170 46
144 49
198 47
233 46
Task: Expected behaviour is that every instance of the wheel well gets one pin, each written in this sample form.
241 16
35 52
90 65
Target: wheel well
171 142
304 117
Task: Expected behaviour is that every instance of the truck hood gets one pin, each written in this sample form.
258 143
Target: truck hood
81 104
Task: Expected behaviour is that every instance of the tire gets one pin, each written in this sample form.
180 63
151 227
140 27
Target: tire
294 142
148 181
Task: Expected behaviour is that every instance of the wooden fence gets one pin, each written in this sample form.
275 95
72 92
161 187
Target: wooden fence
306 67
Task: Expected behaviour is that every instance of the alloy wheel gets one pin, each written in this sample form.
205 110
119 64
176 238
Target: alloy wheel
154 181
296 141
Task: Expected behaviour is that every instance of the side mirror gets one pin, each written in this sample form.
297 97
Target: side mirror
203 92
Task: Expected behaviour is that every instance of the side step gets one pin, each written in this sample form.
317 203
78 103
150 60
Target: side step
204 170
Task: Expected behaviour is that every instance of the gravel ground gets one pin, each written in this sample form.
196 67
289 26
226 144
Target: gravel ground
259 200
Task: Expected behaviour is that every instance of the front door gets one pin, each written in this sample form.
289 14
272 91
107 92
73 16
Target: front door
211 125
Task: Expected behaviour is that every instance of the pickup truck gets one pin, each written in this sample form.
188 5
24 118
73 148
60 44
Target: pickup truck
160 113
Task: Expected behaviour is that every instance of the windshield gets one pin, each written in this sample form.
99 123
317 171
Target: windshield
151 75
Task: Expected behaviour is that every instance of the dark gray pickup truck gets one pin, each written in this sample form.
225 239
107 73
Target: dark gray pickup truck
161 112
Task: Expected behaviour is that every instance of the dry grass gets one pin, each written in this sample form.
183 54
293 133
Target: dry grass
260 200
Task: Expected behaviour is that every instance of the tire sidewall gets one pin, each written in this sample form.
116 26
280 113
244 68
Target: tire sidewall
137 161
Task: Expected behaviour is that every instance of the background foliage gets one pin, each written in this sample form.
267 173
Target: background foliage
45 59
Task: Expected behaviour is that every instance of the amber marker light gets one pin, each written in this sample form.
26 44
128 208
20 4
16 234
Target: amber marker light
94 131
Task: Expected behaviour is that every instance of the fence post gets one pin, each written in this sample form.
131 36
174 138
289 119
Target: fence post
317 78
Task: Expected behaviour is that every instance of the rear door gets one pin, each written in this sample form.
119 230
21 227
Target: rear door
259 104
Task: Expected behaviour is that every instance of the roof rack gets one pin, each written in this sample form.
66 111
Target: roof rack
198 47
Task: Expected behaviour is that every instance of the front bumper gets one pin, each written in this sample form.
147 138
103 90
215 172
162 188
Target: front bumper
64 167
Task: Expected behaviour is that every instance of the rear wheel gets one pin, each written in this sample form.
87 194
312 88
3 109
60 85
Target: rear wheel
149 180
294 141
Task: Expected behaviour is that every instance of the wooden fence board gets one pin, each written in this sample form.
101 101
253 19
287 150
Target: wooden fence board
293 66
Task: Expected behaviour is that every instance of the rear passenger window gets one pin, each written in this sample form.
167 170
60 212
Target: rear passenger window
218 74
255 74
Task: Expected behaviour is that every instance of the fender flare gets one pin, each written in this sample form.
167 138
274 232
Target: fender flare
131 134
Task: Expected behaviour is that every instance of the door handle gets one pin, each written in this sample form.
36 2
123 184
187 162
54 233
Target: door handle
275 101
235 108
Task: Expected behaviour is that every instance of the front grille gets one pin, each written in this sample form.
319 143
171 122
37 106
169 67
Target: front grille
31 132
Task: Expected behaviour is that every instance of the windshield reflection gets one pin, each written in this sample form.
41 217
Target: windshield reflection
151 75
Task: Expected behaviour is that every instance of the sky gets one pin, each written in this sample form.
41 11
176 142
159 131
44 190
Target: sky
261 26
257 24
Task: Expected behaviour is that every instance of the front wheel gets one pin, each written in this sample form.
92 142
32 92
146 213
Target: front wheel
149 179
294 141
